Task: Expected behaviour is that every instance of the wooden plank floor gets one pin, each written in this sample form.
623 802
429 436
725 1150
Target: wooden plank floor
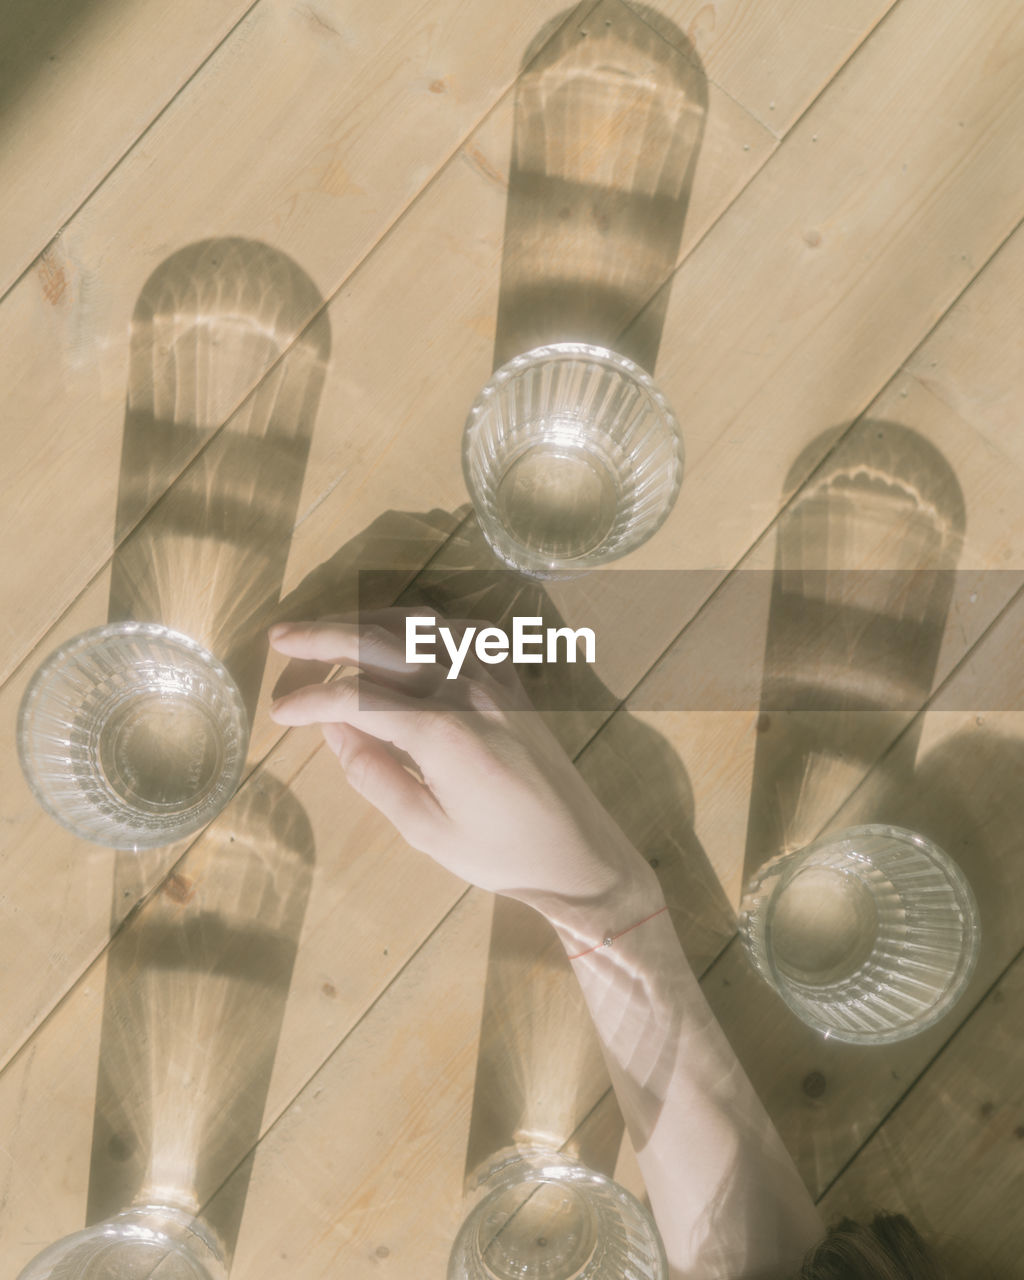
256 262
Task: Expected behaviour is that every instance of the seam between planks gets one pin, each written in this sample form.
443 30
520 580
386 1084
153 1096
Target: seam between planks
403 213
727 575
1015 959
894 4
128 150
578 13
328 300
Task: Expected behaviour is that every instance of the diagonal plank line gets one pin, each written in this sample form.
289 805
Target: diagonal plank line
362 261
957 1031
129 149
391 228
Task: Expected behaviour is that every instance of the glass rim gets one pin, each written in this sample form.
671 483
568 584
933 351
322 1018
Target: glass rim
587 351
497 1173
517 556
965 900
554 350
183 1234
88 639
493 1168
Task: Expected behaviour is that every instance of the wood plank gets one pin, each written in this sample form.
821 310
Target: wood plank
978 376
860 248
951 1155
183 976
73 102
389 1129
402 466
89 348
360 111
385 1191
761 56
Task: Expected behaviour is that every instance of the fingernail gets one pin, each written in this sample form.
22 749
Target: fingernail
278 630
275 708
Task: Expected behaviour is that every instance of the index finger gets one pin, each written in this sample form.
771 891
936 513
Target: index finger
381 711
341 643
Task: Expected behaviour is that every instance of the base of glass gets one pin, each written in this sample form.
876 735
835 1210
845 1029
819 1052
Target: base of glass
557 500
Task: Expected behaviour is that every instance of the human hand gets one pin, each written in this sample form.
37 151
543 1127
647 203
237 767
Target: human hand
491 794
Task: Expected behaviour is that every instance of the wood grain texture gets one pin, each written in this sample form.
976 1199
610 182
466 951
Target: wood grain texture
381 444
292 84
950 1155
825 236
776 346
81 80
761 56
327 217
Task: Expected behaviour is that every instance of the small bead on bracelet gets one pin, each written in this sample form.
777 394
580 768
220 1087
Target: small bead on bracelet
609 938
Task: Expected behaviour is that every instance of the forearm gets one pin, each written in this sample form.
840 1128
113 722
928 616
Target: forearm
495 799
726 1196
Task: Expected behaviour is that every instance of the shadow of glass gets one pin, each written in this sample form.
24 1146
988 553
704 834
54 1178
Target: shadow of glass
860 594
225 375
535 1043
609 114
195 993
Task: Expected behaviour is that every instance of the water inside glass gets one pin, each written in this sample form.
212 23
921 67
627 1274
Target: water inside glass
543 1216
558 498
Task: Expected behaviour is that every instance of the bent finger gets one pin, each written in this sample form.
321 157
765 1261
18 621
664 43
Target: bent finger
381 711
335 642
382 780
300 672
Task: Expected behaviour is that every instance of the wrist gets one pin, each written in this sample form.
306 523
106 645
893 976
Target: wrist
632 896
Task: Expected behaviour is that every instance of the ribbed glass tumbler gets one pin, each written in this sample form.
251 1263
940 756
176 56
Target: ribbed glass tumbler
870 934
132 735
572 458
149 1242
541 1216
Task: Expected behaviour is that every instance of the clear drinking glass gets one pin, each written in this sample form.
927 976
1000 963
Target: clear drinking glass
572 458
540 1215
149 1242
132 735
870 934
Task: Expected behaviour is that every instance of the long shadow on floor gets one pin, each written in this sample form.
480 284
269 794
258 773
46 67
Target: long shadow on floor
224 382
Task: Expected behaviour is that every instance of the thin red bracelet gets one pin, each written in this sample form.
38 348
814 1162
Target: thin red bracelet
609 938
